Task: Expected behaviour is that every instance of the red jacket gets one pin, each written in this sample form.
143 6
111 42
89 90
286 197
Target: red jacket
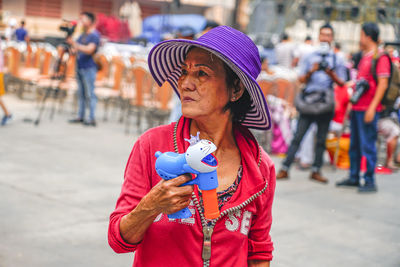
241 233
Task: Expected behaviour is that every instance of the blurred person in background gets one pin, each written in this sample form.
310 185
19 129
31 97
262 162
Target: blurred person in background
284 51
85 47
267 73
389 128
317 79
365 112
394 55
7 115
338 51
21 33
342 107
186 32
9 32
342 98
210 24
389 124
302 50
305 154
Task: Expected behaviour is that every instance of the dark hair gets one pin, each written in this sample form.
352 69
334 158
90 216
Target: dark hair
90 15
242 106
22 22
284 36
338 46
372 30
210 24
308 38
186 31
263 58
327 26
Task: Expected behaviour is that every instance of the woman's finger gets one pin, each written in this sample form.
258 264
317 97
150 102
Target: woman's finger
181 205
184 190
180 180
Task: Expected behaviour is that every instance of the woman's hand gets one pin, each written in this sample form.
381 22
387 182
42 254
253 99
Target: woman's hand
166 197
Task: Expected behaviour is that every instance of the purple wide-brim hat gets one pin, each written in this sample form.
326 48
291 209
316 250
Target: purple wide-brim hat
235 48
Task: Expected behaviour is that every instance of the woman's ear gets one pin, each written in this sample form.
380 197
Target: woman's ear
238 91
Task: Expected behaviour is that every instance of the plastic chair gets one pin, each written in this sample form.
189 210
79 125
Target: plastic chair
267 87
159 111
143 88
108 89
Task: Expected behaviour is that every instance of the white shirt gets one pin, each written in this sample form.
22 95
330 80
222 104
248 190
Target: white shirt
284 54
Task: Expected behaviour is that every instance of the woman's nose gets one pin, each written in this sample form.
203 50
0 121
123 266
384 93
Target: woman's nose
187 83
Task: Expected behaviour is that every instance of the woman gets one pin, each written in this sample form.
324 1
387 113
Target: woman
215 78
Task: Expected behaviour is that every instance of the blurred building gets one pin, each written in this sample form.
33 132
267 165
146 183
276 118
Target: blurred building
44 16
301 18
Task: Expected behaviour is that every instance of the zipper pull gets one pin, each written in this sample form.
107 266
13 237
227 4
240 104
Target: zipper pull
207 232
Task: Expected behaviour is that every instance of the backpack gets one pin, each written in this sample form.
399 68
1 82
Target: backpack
393 90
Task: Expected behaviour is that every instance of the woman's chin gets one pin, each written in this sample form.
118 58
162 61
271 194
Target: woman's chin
190 113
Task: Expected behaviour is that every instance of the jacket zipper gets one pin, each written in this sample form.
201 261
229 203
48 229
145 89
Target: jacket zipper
208 229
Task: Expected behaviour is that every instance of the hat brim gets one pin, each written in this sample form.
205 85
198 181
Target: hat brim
165 61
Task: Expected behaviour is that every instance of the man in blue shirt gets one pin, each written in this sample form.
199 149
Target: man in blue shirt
317 77
85 47
21 33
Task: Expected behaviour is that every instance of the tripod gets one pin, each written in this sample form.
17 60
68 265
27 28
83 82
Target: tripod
53 90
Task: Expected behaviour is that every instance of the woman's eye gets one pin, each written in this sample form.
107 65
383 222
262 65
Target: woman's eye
202 73
184 72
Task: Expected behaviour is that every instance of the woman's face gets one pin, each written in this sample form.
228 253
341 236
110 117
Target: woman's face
202 85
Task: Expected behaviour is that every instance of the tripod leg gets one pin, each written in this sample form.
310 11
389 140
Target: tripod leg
123 107
55 98
43 104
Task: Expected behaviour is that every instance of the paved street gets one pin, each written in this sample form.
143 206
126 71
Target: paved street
59 183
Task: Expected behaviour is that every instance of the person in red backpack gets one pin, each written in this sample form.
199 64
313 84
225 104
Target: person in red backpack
365 110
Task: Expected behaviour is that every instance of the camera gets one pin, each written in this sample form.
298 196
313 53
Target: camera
60 67
68 27
324 52
361 87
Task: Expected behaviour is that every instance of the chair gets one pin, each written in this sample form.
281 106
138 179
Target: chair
143 89
159 111
267 87
108 87
28 72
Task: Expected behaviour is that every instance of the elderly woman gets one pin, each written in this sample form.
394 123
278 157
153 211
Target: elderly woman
215 78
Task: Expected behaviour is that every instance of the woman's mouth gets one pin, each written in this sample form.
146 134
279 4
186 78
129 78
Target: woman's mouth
187 99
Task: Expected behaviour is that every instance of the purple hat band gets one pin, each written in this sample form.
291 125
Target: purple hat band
235 48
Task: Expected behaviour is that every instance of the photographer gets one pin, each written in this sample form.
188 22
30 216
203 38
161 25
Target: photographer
85 47
318 71
366 105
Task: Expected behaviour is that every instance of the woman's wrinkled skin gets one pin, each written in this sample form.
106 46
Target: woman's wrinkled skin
202 86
